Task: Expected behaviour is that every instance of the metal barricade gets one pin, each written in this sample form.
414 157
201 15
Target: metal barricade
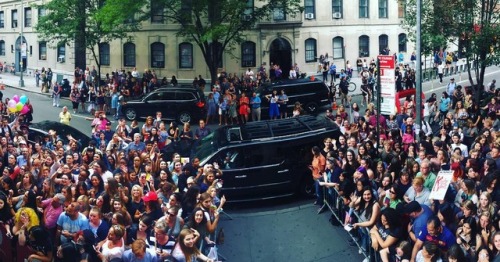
335 204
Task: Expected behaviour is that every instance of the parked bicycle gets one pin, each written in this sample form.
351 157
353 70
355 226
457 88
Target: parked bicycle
352 86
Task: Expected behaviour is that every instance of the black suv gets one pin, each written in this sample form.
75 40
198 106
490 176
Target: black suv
181 104
266 159
312 94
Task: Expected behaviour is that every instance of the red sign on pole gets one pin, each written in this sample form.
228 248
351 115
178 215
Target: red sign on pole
386 61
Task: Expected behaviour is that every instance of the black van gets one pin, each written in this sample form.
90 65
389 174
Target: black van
266 159
312 94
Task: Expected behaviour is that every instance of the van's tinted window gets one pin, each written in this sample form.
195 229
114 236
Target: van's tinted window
184 96
161 96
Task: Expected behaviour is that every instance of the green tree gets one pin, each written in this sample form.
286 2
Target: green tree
478 32
88 23
472 25
433 35
217 26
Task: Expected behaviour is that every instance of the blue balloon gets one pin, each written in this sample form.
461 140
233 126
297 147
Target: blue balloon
23 99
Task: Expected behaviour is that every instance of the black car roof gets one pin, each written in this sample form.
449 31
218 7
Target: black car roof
289 82
275 129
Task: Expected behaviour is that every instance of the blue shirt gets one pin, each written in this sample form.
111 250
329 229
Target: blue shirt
420 222
256 102
72 226
444 104
128 256
114 100
444 240
137 147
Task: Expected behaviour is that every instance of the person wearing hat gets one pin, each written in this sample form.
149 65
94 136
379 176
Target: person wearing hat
419 214
153 209
53 207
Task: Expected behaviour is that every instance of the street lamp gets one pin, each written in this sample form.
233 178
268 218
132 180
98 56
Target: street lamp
21 80
418 68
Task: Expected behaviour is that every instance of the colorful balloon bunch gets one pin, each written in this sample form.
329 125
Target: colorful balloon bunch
18 104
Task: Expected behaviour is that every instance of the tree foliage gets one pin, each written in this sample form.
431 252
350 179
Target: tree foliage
217 26
472 25
88 23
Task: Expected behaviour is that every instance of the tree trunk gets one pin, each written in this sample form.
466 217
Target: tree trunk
80 39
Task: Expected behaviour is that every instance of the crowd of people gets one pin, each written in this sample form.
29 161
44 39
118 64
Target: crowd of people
128 195
379 185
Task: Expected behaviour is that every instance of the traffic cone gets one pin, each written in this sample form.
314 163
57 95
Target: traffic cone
334 106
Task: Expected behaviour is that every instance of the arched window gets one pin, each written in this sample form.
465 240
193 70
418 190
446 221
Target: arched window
338 47
157 55
185 55
364 46
104 56
311 52
248 54
2 48
383 44
129 54
402 42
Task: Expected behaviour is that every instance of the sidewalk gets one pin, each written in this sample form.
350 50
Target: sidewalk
12 81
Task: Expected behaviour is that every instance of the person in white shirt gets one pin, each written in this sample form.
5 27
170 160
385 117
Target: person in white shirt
457 143
249 74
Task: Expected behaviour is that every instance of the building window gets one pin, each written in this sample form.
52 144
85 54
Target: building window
42 51
2 48
248 54
363 9
311 50
215 51
185 55
248 12
2 19
401 8
104 56
309 9
157 12
383 44
129 54
338 47
14 18
27 17
364 46
279 14
382 9
337 8
402 42
61 52
41 11
157 55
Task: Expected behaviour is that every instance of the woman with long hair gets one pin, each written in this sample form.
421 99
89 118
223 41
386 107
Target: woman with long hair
369 211
429 253
186 250
387 232
468 238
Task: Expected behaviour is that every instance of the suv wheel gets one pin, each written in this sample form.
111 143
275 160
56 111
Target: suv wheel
130 114
184 117
311 107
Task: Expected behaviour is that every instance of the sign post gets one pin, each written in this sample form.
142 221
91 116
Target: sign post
387 84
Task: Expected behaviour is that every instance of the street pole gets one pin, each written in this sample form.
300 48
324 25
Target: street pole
21 80
379 102
418 77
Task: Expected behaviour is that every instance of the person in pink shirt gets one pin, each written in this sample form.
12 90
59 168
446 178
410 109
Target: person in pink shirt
52 208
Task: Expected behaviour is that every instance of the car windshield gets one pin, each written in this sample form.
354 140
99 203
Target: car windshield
208 145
